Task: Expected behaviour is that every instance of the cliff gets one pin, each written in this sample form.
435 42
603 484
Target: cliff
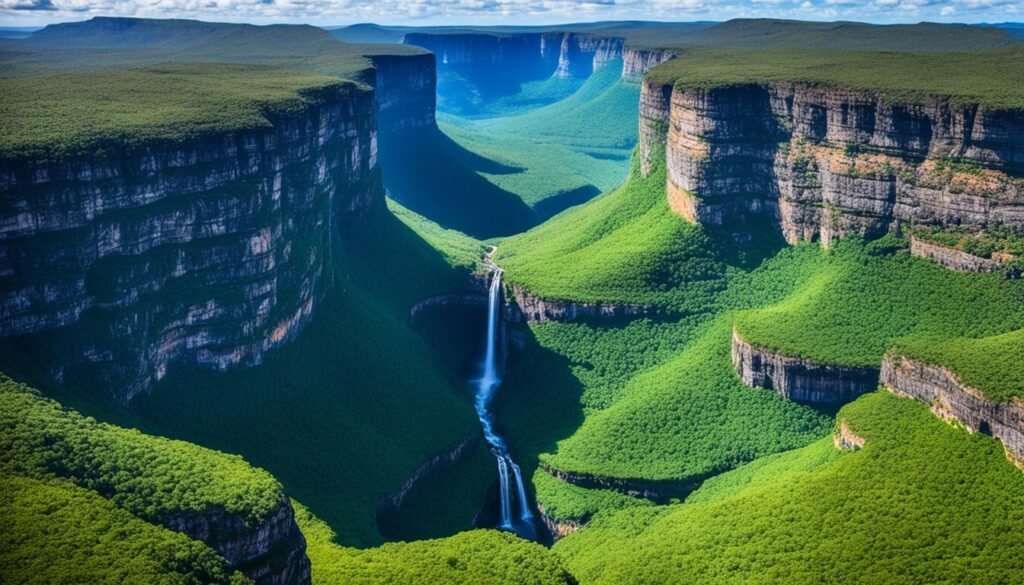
437 463
949 398
955 259
405 91
825 161
209 252
271 552
530 308
799 379
520 57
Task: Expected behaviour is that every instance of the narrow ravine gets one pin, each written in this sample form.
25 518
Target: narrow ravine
521 521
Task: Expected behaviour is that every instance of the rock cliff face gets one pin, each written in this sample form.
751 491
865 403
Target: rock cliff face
210 252
659 491
798 379
436 463
950 398
559 528
271 552
530 56
955 259
405 91
824 162
530 308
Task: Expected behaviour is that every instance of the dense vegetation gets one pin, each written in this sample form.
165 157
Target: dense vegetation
111 83
52 531
864 298
998 241
880 514
626 246
990 78
478 556
148 476
992 365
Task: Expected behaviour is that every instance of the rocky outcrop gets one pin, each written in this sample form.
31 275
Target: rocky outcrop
950 398
405 91
954 259
845 439
530 308
208 252
557 527
636 61
582 54
435 464
799 379
824 162
270 552
656 490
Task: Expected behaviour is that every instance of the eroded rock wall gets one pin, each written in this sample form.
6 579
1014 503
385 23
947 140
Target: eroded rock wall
211 252
405 91
949 398
952 258
824 162
270 552
799 379
530 308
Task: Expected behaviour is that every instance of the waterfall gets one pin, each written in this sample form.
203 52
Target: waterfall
486 385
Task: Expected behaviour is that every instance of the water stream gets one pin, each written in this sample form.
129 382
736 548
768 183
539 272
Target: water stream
522 522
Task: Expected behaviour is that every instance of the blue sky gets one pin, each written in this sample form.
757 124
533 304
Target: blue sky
422 12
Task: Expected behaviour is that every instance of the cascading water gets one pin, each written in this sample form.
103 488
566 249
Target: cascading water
486 385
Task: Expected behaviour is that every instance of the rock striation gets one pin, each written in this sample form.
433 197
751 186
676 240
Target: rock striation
559 529
529 308
270 552
955 259
847 440
209 252
824 162
949 398
656 490
799 379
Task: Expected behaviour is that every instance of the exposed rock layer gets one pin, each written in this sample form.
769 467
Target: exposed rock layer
952 258
799 379
530 308
825 161
405 91
950 398
658 491
435 464
209 252
271 552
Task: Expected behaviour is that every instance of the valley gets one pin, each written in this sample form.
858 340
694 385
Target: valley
622 302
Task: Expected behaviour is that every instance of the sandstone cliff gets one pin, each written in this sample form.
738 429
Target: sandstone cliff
405 91
825 161
799 379
957 260
949 398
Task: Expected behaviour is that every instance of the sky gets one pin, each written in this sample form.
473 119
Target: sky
486 12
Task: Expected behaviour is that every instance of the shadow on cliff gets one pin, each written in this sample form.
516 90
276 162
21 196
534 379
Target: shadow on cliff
431 174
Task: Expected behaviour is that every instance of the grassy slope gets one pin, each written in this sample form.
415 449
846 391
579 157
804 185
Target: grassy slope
880 514
991 78
625 246
864 299
83 500
52 531
578 144
478 556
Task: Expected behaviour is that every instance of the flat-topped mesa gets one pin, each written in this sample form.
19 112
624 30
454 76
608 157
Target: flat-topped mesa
405 89
827 161
950 398
210 251
799 379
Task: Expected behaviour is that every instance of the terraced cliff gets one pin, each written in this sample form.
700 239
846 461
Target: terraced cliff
823 160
